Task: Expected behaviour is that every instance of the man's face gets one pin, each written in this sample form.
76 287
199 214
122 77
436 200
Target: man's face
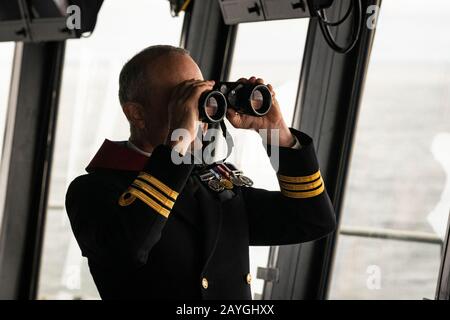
165 73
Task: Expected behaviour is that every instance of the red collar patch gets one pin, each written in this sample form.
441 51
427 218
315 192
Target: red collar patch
117 156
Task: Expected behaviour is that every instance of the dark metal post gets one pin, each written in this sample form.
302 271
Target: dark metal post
443 284
26 163
209 40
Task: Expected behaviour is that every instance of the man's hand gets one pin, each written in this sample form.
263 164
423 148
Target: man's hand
272 120
183 111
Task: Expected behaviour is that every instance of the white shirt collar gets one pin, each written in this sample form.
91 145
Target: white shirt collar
132 146
147 154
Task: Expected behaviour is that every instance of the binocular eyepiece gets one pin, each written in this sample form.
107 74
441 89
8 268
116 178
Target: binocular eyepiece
245 98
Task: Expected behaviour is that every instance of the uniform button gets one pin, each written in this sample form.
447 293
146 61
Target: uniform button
205 283
249 278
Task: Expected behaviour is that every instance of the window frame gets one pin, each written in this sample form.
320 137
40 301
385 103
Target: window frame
36 81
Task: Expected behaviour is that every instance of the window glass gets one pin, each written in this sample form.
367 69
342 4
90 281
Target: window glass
89 113
272 51
398 184
6 63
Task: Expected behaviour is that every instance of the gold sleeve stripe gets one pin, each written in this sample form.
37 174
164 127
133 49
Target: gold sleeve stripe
150 202
310 178
185 5
301 187
161 186
303 195
153 192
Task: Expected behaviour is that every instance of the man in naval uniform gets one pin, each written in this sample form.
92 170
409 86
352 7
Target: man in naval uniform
152 229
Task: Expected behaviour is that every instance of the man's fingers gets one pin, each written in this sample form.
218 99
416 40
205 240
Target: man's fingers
208 82
233 117
195 91
252 80
176 90
242 80
181 89
187 93
269 86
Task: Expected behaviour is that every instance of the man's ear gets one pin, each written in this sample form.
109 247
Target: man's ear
135 114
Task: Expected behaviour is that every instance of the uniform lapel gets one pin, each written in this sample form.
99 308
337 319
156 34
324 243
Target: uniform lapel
186 205
211 212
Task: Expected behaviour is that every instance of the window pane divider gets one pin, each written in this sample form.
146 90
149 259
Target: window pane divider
391 234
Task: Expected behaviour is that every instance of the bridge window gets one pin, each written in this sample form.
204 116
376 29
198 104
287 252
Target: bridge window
272 51
6 63
398 192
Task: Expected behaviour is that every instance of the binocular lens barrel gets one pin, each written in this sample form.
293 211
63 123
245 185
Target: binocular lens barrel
260 100
212 106
245 98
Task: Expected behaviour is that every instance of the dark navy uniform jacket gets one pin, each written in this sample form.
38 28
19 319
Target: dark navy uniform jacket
152 230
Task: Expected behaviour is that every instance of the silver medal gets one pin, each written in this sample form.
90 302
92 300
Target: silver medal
206 176
246 180
236 181
215 185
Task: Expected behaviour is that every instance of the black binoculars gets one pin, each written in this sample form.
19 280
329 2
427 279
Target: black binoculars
245 98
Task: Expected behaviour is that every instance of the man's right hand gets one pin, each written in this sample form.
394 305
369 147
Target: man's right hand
183 111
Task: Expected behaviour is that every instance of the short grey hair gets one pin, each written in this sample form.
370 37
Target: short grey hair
133 78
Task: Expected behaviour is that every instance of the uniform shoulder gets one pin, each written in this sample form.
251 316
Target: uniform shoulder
83 182
96 184
88 185
90 194
80 187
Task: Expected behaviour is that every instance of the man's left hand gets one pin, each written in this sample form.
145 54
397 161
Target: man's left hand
273 120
